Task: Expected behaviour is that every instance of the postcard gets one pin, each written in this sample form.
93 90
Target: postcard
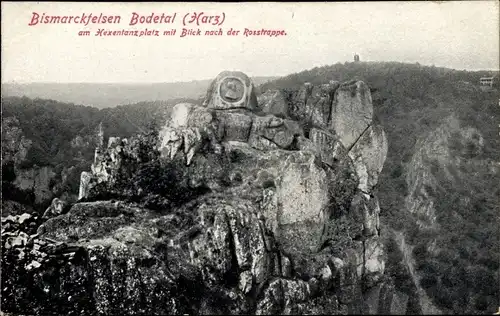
324 158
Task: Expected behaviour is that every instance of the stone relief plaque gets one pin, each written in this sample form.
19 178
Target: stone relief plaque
232 90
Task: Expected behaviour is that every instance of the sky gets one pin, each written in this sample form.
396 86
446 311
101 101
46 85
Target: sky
459 35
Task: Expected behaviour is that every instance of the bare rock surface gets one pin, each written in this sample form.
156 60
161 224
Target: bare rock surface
352 111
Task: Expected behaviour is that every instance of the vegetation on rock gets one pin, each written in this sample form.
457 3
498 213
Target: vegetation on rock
457 258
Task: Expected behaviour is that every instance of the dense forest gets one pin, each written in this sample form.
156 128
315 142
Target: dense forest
457 258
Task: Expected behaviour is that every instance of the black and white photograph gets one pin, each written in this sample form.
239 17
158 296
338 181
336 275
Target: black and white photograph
250 158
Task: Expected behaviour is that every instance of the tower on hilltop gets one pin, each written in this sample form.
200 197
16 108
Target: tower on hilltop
356 58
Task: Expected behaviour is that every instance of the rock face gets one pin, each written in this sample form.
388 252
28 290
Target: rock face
15 148
15 145
23 180
84 184
225 211
369 154
274 102
56 208
38 180
352 111
310 104
303 199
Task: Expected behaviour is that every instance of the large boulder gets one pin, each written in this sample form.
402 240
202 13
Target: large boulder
84 184
56 208
352 111
311 104
271 132
293 191
233 126
329 147
274 102
188 115
186 131
231 240
37 179
304 202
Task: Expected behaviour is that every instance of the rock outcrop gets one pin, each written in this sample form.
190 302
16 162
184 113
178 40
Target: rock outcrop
27 176
352 112
56 208
15 145
433 153
233 208
368 155
15 148
303 204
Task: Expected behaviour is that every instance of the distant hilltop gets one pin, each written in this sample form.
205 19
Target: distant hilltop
106 95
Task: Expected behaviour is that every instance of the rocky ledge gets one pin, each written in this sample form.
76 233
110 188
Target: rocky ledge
242 205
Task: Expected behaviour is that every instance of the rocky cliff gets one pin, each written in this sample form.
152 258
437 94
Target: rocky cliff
242 205
29 179
453 198
443 151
